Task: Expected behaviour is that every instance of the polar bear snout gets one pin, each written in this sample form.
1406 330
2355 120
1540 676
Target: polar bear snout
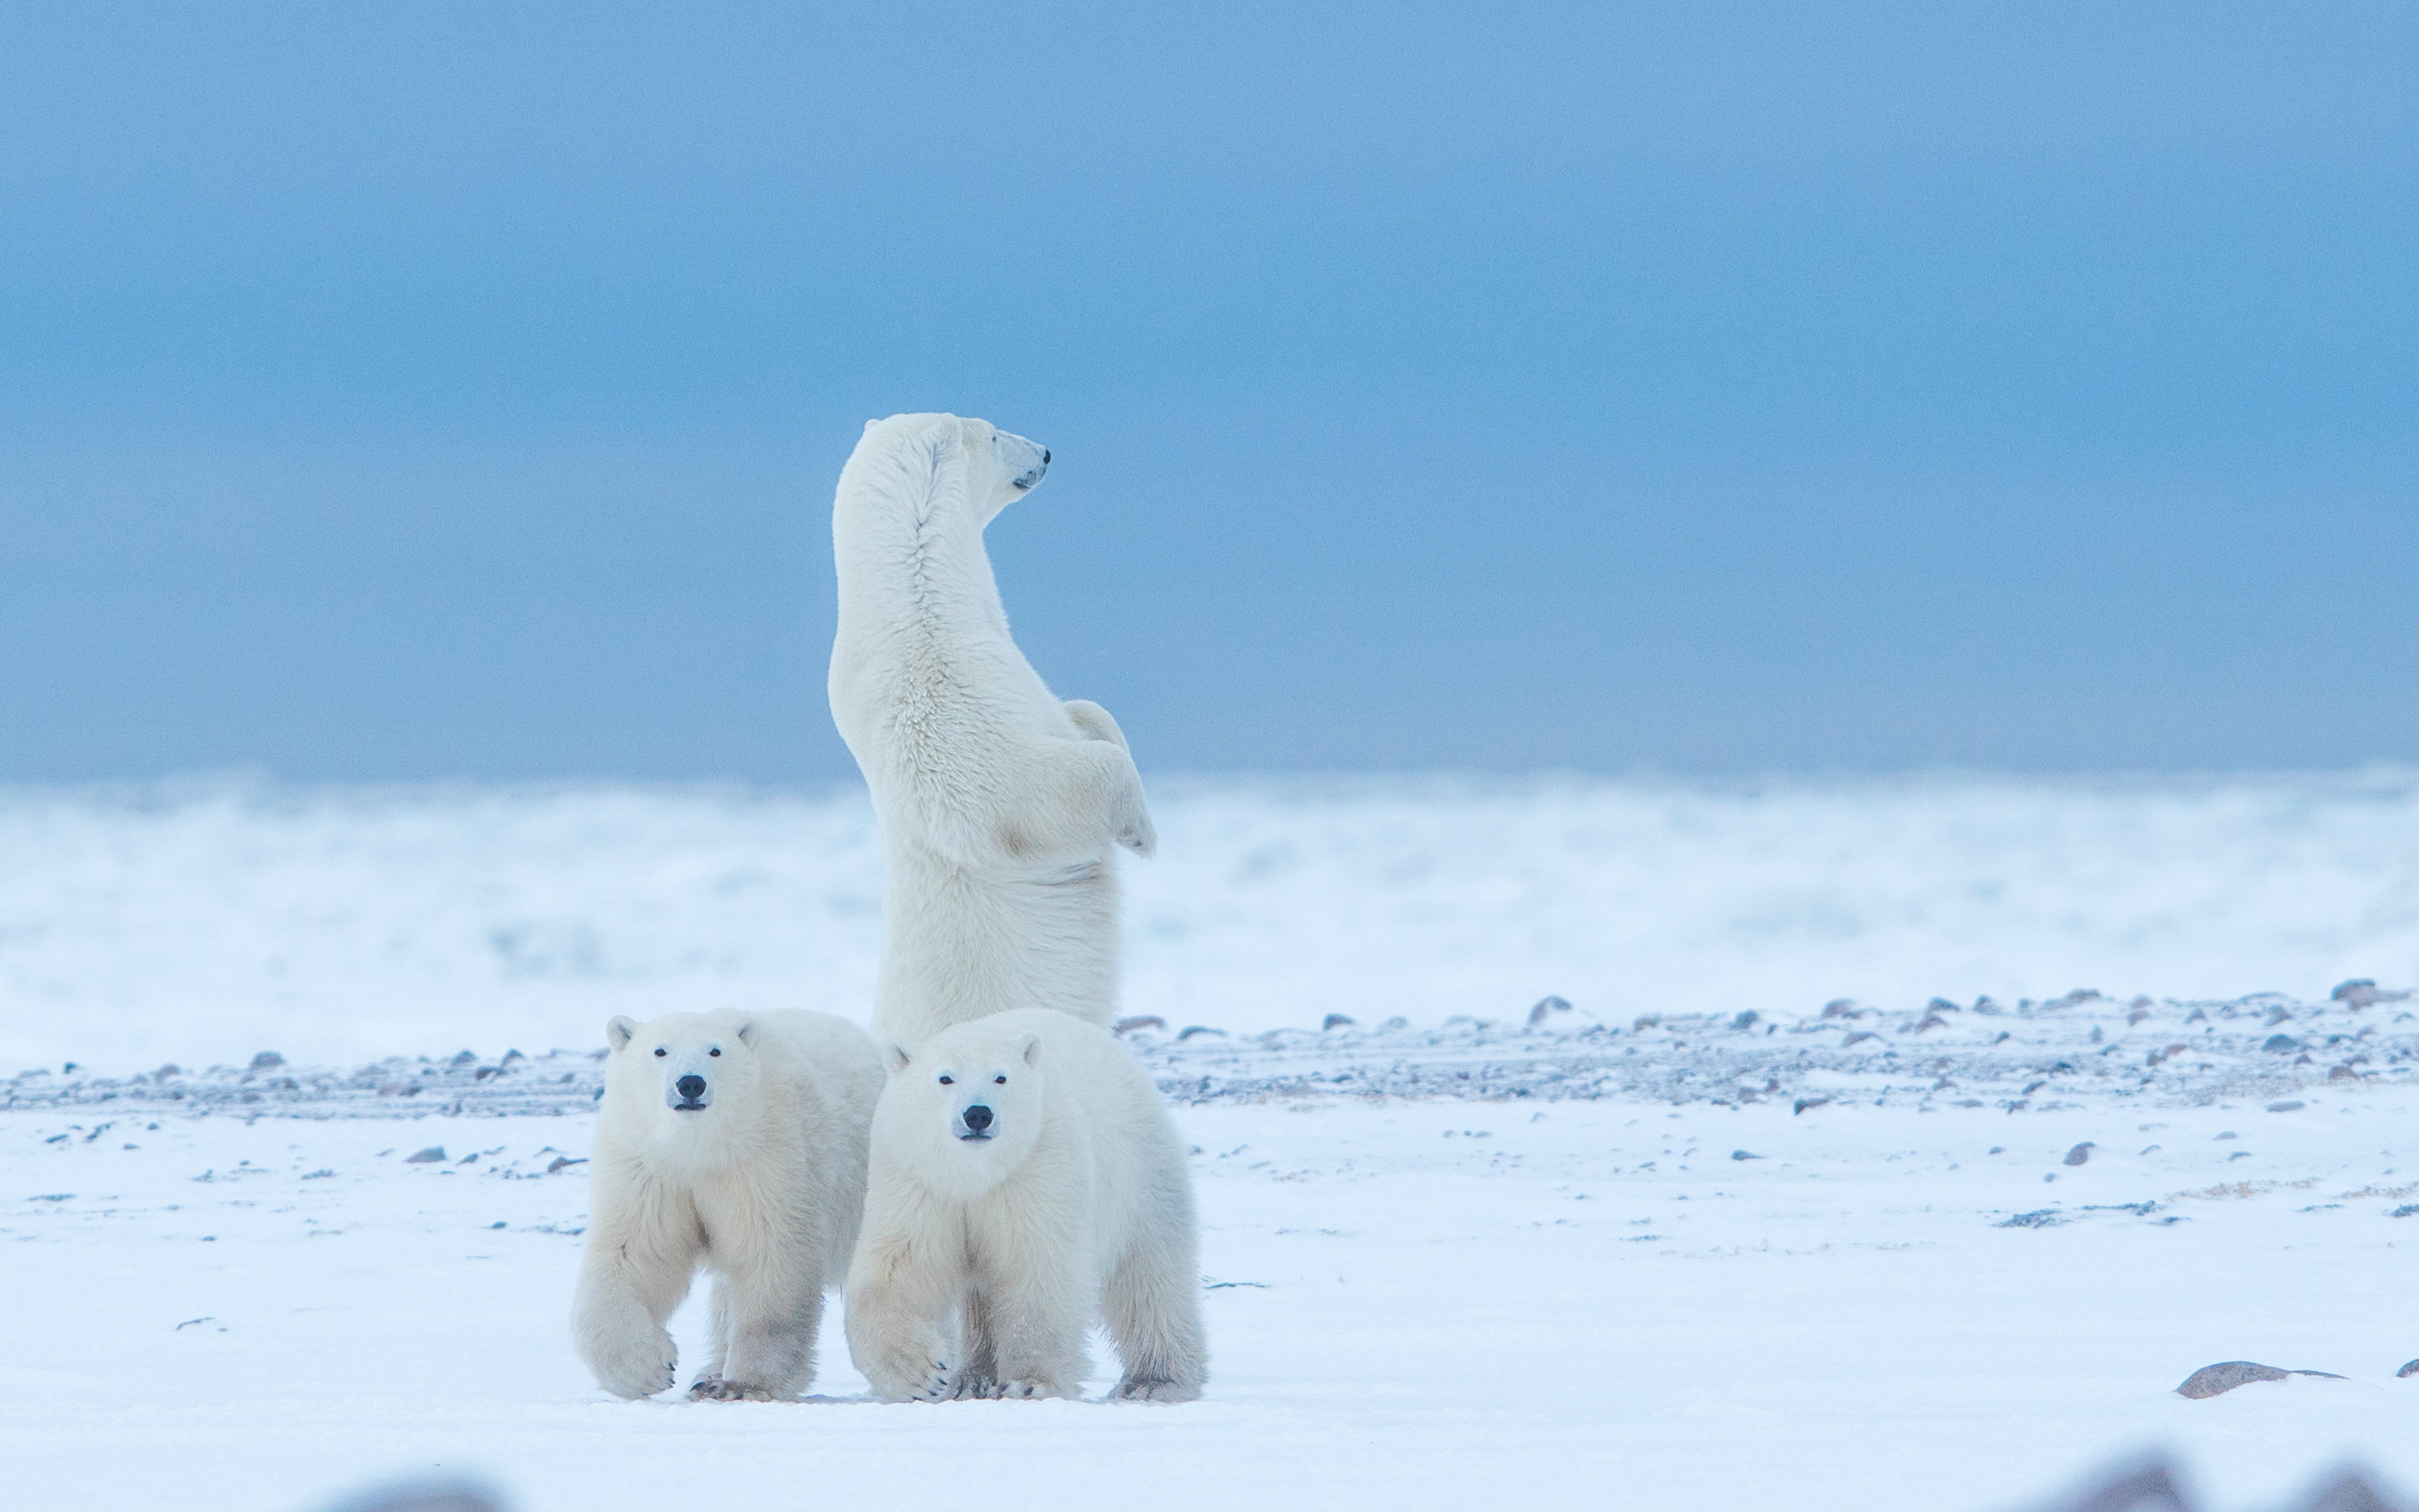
974 1121
1026 462
687 1091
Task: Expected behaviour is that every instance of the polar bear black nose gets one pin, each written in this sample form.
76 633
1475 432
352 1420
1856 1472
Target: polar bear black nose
1045 456
691 1086
977 1118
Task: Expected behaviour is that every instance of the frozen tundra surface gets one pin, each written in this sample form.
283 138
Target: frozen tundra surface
202 922
1585 1302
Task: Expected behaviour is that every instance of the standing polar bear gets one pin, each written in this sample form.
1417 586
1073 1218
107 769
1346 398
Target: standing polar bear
735 1142
1001 807
1026 1180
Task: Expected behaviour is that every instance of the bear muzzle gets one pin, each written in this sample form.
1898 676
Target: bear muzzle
690 1094
973 1122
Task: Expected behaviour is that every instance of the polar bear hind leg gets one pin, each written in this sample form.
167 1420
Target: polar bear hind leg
1153 1308
1037 1316
979 1378
764 1328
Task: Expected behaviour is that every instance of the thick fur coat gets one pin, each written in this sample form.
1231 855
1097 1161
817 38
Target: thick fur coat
1001 805
1026 1183
735 1143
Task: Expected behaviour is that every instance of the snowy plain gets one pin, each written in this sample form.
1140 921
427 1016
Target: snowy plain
1756 1222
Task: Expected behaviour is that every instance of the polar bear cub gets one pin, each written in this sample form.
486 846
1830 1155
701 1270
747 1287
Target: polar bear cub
1001 807
1025 1178
734 1142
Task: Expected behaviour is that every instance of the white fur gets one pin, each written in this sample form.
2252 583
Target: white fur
763 1187
982 1265
1001 807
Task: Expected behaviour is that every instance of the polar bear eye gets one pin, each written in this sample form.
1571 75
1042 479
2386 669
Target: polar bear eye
716 1051
948 1081
659 1050
999 1081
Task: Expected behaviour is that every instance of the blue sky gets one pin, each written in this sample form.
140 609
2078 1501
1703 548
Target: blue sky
436 392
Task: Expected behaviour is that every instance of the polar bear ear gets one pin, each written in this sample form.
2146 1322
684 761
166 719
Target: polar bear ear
746 1033
1028 1044
618 1029
896 1059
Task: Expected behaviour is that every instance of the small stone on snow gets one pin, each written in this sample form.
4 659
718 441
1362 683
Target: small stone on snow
2217 1380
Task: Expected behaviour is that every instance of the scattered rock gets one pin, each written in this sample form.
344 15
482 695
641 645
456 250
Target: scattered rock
2217 1380
2041 1218
2080 1153
2342 1073
1741 1154
1805 1102
433 1154
2360 992
2405 1211
265 1060
2410 1369
1545 1007
560 1161
1192 1029
1745 1018
2280 1044
1840 1008
1337 1021
2288 1105
1140 1021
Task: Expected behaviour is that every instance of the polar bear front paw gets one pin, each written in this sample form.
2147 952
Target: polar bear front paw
1139 837
635 1367
914 1371
716 1389
1093 722
1029 1389
975 1386
1154 1391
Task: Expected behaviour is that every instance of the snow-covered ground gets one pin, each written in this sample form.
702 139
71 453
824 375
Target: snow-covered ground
1414 1303
1708 1238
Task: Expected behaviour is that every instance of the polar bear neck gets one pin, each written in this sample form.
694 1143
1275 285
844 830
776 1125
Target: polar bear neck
908 542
